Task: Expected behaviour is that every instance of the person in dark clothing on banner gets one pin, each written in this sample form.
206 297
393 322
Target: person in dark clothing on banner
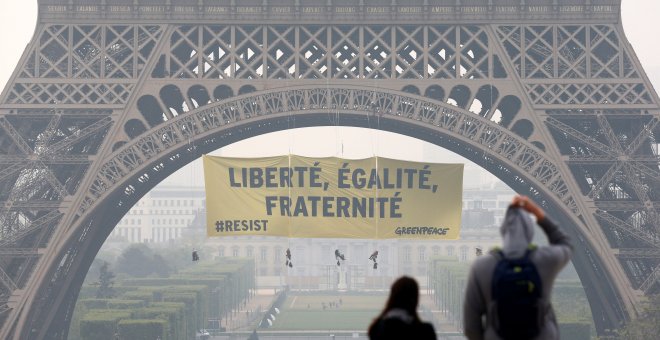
339 256
374 257
289 262
399 319
511 287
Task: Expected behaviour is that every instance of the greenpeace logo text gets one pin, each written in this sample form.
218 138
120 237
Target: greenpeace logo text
421 231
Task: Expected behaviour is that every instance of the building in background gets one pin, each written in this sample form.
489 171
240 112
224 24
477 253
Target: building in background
165 214
169 214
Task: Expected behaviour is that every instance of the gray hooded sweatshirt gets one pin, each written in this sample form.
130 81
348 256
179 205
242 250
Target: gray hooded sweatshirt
517 232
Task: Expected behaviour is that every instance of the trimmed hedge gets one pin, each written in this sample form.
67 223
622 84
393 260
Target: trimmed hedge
183 302
193 317
575 330
89 291
148 329
448 278
218 288
172 312
112 304
146 296
101 324
195 299
94 303
126 304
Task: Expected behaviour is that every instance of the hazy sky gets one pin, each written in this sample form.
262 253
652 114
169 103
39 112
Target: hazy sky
640 22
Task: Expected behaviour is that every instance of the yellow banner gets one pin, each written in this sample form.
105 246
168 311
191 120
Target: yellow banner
294 196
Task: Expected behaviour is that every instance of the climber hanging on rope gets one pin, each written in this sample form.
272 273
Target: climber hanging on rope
374 257
339 256
288 259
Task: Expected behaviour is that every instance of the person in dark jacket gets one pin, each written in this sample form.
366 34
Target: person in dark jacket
517 232
399 319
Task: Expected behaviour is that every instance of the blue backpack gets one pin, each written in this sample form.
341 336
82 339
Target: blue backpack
517 293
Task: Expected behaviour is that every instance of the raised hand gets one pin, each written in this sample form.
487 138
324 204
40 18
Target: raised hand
526 203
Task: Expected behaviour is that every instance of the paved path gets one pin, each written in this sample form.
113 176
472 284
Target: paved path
249 315
244 321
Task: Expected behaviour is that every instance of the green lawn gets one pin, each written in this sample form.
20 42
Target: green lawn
314 302
304 312
336 320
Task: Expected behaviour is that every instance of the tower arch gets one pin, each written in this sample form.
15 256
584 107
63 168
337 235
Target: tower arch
137 166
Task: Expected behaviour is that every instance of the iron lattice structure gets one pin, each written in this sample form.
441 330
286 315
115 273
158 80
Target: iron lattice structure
112 96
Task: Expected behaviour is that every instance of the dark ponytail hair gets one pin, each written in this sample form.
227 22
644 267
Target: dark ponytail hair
404 294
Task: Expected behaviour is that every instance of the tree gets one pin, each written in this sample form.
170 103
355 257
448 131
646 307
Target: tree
135 261
160 266
646 325
140 261
106 277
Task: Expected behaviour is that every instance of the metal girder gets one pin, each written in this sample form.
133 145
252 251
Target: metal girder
650 173
30 205
457 11
651 280
616 152
642 194
633 181
65 159
48 133
642 136
645 237
11 159
4 308
7 281
15 136
78 135
639 253
609 133
33 167
605 159
46 160
579 136
36 224
12 169
621 205
54 182
19 252
605 180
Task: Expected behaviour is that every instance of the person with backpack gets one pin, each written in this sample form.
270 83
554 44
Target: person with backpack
511 286
399 319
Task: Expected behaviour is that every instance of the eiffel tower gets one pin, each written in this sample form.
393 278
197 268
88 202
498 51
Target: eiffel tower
112 96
